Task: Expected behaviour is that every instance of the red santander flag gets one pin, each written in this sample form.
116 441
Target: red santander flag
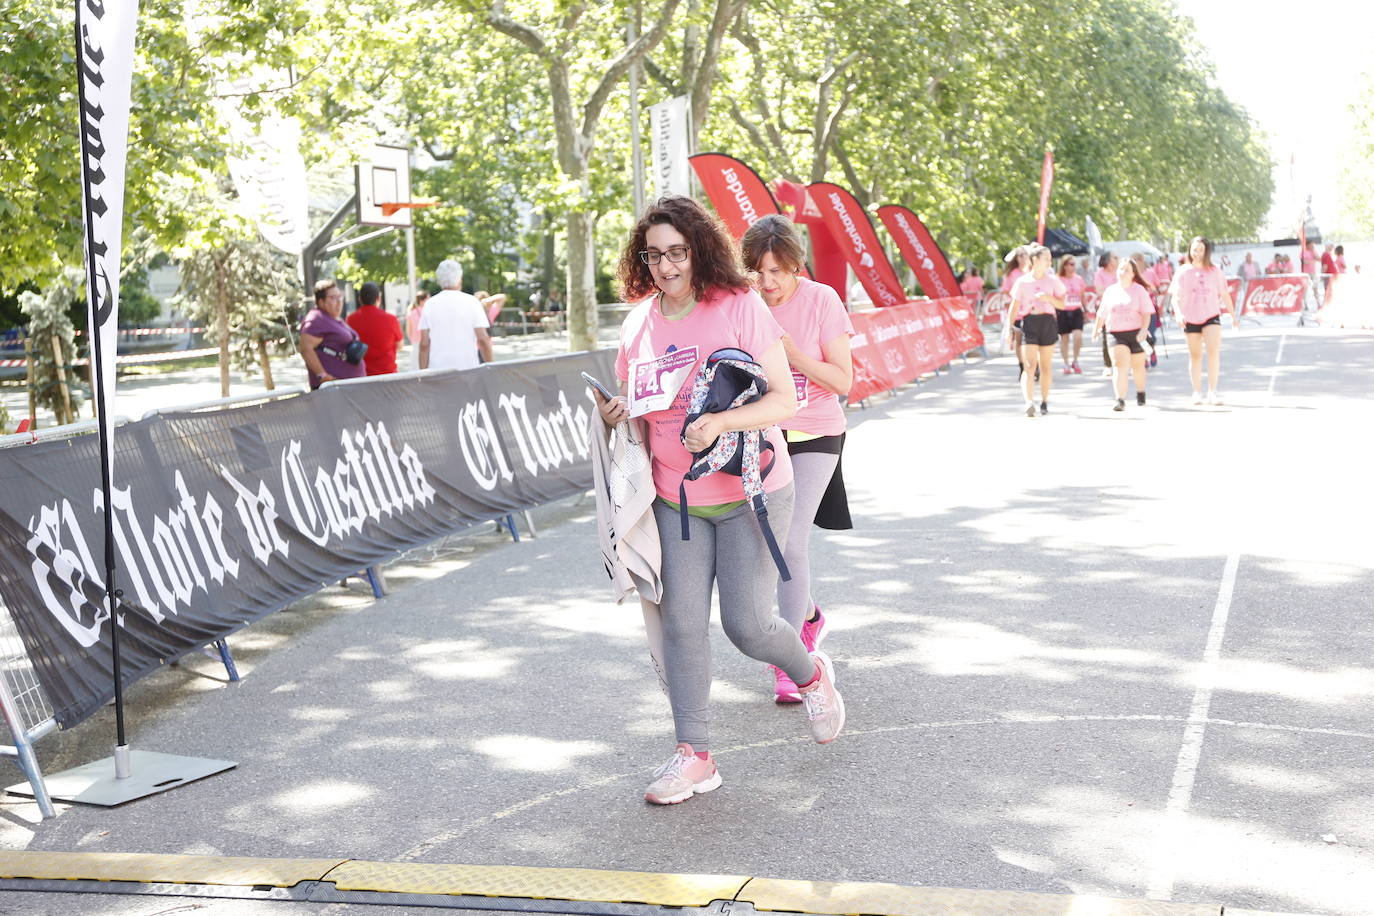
1046 180
920 252
853 230
735 190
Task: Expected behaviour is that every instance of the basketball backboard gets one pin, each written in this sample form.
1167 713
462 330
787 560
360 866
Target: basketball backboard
383 177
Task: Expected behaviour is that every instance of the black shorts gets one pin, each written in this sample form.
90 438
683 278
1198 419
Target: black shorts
1130 339
1070 320
1190 328
1039 330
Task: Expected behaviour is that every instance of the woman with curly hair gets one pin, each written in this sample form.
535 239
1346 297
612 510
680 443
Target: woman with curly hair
682 269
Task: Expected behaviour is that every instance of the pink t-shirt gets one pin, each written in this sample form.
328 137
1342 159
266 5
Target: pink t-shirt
1127 308
735 318
1010 279
413 325
1309 262
814 316
1103 279
1198 293
971 286
1024 291
1073 292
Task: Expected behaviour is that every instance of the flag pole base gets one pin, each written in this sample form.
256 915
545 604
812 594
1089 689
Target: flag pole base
145 773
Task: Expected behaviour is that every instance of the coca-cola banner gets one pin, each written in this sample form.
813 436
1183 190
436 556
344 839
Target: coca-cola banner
225 516
1233 287
920 252
851 227
735 190
893 346
1278 295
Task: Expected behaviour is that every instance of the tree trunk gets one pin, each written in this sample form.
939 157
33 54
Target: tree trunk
64 401
222 329
582 316
266 365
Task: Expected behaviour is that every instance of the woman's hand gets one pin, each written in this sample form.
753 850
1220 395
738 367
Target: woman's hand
789 347
614 411
703 431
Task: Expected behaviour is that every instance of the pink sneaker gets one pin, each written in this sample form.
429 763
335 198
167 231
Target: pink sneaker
1068 370
683 776
784 688
1077 370
813 631
824 706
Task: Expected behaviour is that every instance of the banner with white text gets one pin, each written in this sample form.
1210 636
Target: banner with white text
222 517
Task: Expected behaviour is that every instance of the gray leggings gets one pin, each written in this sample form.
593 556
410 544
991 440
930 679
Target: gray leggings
811 473
729 551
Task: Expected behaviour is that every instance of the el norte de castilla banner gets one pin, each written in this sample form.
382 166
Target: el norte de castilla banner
225 516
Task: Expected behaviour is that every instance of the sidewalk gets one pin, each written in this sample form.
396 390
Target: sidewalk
1089 654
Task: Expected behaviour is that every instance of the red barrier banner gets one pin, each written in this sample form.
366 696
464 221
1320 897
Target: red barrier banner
1233 287
851 227
896 345
920 252
1278 295
735 190
994 306
962 323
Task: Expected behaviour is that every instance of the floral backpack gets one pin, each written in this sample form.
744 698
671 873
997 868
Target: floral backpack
731 378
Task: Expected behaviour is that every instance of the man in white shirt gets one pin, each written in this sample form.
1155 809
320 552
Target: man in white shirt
453 326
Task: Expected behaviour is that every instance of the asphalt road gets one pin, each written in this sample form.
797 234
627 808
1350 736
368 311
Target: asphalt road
1125 654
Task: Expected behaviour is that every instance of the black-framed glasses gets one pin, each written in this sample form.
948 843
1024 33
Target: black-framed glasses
676 254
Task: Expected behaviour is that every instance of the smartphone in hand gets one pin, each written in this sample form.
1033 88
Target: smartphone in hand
596 386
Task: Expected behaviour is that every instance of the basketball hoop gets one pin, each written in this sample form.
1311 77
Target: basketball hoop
390 209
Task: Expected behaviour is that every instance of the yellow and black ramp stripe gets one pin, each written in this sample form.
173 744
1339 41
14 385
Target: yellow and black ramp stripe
570 891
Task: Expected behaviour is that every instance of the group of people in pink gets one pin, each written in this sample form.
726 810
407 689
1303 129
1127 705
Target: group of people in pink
697 294
1047 308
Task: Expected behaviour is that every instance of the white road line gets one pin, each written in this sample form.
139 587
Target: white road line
1171 841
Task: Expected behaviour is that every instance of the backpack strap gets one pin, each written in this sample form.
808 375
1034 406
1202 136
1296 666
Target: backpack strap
761 513
682 509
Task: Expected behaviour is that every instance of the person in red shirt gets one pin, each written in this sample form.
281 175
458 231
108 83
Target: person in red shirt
377 328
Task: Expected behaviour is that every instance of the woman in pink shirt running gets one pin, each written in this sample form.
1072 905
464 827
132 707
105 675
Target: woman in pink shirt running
1200 295
1070 317
1123 314
816 332
1034 298
682 269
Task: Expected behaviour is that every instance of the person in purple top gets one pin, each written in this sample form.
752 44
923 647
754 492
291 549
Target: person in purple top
325 338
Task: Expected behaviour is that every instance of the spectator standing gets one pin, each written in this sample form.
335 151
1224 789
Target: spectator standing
453 328
416 309
1309 259
377 328
1248 269
1328 261
325 338
555 301
972 285
1340 259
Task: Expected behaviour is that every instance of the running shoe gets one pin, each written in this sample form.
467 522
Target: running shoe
1077 370
683 776
1120 404
1044 408
824 706
1030 410
813 631
1140 399
1068 370
1197 397
1107 372
1154 360
784 688
1215 399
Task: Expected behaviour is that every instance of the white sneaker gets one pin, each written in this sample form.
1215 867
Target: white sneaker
824 706
1215 399
1197 397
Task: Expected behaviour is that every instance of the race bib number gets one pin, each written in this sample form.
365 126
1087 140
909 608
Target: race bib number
800 381
654 383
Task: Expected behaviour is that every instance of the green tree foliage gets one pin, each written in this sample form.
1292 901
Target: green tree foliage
53 342
1357 161
519 110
